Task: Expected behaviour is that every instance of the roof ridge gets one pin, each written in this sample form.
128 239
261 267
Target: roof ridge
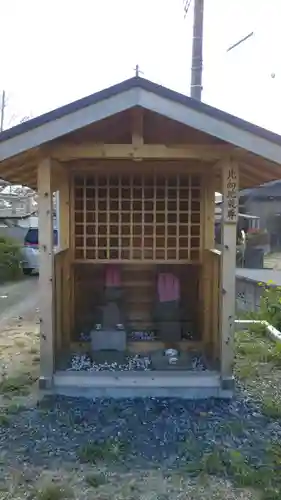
149 86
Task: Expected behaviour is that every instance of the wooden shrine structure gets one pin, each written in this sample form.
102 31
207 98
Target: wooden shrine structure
136 167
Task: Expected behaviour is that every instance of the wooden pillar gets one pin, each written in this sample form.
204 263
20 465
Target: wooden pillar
46 272
209 210
61 185
230 186
64 236
208 205
63 207
62 279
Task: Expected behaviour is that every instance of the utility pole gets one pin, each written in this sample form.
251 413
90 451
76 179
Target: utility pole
2 110
197 50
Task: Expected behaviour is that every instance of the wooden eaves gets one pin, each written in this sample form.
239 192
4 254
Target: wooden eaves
258 151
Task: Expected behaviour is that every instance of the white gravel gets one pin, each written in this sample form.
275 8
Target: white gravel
84 363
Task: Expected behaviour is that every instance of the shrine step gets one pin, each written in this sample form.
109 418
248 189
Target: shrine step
159 384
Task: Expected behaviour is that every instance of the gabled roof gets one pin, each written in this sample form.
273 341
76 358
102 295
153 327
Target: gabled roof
268 190
139 92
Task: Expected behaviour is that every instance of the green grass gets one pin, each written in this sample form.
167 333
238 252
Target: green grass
233 465
14 408
258 366
258 363
95 479
17 385
53 491
5 420
271 407
110 450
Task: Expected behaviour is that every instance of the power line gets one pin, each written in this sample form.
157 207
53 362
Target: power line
186 5
240 41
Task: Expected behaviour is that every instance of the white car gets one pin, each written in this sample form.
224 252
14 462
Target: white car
30 251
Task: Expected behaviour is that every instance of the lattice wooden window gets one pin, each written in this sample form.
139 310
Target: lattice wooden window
137 218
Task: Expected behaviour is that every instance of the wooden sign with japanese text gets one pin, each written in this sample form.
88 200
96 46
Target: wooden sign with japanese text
231 193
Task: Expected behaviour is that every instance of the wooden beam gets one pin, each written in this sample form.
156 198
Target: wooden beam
46 273
230 192
67 152
262 163
21 161
149 167
23 172
263 175
26 179
137 127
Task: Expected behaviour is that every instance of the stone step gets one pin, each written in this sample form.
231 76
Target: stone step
161 384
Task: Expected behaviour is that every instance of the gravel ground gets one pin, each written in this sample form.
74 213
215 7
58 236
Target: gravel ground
142 449
153 431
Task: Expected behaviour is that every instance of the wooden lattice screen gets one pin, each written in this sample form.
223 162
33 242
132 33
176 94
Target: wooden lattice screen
138 218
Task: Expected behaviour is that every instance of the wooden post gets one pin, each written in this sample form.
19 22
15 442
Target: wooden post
230 182
62 279
208 205
63 208
64 232
46 271
209 210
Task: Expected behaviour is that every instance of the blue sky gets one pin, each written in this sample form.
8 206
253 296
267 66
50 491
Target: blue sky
56 51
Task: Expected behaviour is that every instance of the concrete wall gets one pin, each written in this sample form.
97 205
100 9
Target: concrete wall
248 294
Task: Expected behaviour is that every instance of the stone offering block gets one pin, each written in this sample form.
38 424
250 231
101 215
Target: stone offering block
169 326
169 331
108 340
111 316
112 294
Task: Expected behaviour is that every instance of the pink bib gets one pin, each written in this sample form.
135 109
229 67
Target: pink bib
168 287
112 276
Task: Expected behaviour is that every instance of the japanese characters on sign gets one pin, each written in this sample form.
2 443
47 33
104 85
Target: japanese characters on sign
231 200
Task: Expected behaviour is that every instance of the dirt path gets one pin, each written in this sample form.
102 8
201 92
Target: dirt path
18 300
19 334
